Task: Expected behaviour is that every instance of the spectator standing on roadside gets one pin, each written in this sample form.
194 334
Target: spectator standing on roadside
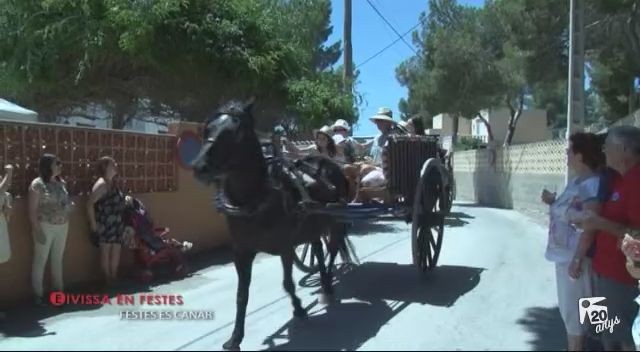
568 247
620 215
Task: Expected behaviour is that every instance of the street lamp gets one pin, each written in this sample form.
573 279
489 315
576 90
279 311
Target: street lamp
575 96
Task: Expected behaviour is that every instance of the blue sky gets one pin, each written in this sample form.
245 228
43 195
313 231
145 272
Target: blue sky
370 34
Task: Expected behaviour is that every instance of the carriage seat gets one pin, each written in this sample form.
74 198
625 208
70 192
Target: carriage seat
402 161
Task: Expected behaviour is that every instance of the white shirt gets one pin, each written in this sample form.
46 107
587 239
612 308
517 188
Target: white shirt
563 237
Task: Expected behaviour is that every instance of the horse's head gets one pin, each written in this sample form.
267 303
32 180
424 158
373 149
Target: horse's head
228 142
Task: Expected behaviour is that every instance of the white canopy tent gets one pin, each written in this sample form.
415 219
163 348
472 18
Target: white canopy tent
11 111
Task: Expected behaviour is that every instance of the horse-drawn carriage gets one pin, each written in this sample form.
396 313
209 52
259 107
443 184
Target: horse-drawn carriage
419 188
266 211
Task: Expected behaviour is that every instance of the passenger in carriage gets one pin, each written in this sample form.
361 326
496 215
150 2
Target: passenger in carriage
350 169
372 173
324 145
351 146
414 126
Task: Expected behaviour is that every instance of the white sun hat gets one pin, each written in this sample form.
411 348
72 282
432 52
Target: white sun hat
326 130
384 114
340 123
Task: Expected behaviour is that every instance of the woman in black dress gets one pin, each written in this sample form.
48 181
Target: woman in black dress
105 209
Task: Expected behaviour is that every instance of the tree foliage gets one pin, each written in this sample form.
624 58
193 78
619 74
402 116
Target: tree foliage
468 62
497 55
182 56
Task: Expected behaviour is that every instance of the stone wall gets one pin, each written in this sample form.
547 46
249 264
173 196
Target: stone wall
513 177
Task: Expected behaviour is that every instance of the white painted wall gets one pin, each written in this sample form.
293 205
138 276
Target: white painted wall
531 127
444 123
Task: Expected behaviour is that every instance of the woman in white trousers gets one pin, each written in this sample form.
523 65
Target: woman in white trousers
5 213
49 209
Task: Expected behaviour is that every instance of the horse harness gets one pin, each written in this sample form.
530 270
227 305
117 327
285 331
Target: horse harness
277 175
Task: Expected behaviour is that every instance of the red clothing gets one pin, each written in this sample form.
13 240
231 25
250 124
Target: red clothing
623 207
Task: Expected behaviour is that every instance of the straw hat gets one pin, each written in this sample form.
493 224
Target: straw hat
384 114
326 130
340 123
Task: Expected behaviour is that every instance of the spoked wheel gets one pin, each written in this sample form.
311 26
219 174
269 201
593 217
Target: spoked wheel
306 261
427 228
448 197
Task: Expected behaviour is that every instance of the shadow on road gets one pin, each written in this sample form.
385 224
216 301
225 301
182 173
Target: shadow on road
449 222
363 228
27 320
460 215
370 284
343 326
457 219
441 287
548 330
204 260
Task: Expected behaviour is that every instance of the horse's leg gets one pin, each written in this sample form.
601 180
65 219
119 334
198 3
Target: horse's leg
289 286
325 278
336 245
243 261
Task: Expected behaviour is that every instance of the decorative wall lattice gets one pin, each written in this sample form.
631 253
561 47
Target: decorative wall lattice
547 157
145 162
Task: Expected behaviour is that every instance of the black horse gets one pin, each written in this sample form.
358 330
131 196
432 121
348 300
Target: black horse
262 204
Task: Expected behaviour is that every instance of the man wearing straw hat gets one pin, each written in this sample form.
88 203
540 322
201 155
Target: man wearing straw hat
384 121
373 175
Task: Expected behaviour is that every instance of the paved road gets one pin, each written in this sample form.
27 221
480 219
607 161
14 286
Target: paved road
492 291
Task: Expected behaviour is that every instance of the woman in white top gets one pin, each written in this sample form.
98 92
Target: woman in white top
49 212
568 247
5 207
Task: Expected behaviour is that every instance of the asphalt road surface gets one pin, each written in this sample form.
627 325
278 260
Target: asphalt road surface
492 290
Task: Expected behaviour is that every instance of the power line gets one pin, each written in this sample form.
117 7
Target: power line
390 25
401 37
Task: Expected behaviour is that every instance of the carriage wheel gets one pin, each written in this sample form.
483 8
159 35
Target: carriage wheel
448 198
306 262
427 229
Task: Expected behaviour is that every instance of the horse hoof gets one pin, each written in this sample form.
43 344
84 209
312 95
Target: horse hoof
231 345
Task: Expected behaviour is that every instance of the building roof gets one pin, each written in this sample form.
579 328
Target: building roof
9 110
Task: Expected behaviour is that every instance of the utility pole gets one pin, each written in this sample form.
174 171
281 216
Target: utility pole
348 55
575 106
